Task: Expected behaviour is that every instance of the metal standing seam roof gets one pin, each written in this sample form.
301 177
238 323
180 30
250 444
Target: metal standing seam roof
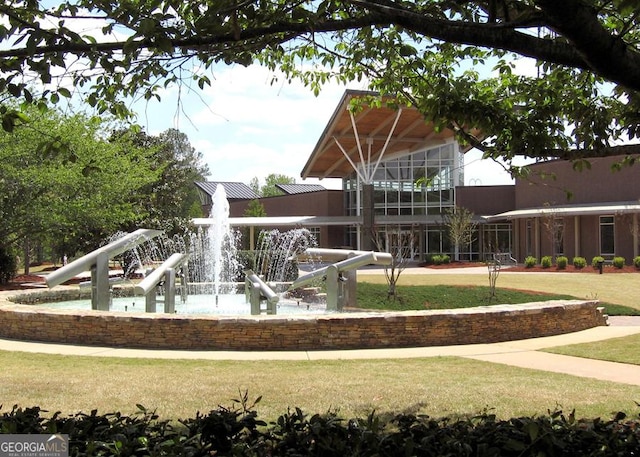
234 190
375 125
291 189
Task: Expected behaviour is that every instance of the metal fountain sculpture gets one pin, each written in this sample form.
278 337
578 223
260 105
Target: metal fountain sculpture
98 263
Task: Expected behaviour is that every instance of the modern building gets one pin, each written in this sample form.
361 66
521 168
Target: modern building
400 176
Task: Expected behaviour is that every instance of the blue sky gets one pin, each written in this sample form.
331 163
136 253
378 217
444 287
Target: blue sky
247 127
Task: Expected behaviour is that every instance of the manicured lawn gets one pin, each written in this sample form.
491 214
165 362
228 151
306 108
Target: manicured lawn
440 386
374 296
623 350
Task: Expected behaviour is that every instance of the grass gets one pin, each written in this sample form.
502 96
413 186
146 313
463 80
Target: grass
614 288
444 386
623 350
374 296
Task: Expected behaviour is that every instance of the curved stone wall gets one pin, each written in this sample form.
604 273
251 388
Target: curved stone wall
294 333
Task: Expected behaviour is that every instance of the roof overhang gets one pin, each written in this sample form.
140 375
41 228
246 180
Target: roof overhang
569 210
284 221
380 130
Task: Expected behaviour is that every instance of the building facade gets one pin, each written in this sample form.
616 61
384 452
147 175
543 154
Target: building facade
401 176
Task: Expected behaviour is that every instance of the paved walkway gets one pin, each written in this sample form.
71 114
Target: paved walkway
522 353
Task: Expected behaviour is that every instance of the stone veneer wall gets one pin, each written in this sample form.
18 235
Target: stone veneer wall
295 333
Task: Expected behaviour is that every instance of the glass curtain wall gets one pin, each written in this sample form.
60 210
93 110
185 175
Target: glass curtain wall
417 184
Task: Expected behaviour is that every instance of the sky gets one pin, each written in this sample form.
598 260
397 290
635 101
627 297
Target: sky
247 126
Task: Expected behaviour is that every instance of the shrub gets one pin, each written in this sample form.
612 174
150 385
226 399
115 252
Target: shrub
619 262
445 259
546 261
561 262
579 262
636 261
530 262
8 266
237 431
436 259
597 259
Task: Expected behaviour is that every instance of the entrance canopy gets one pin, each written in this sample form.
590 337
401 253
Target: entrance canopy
569 210
364 134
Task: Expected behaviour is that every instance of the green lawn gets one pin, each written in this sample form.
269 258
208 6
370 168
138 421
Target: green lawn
374 296
440 386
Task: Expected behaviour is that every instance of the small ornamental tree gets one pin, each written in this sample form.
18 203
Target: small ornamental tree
460 227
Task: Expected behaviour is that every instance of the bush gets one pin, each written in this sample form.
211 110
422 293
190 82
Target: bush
8 266
636 261
597 259
530 262
579 262
561 262
238 432
619 262
546 261
445 259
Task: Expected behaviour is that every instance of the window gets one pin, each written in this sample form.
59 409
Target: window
607 235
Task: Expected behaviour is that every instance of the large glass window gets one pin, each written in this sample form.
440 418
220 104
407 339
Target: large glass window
607 235
416 184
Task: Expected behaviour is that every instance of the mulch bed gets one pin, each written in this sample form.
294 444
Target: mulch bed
538 269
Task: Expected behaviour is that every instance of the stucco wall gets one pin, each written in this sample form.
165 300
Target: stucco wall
333 331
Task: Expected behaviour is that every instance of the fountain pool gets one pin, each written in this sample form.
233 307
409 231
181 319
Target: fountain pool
227 305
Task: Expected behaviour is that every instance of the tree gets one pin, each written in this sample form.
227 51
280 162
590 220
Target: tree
63 186
270 188
255 209
172 195
400 245
460 227
583 99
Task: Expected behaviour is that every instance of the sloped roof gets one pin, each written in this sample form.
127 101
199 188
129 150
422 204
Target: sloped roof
374 125
234 190
291 189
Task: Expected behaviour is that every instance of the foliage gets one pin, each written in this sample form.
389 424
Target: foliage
619 262
597 260
546 261
172 194
238 431
530 262
461 228
579 262
270 188
439 259
64 186
8 265
636 261
427 53
255 209
561 262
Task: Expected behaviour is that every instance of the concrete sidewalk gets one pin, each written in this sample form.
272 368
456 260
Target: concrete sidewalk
521 353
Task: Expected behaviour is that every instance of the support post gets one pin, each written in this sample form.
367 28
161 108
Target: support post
333 289
150 300
368 218
170 291
101 295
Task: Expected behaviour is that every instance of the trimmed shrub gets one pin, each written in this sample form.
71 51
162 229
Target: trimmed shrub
445 259
530 262
579 262
546 261
561 262
596 260
619 262
436 259
636 261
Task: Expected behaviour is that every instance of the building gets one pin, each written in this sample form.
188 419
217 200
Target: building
401 175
